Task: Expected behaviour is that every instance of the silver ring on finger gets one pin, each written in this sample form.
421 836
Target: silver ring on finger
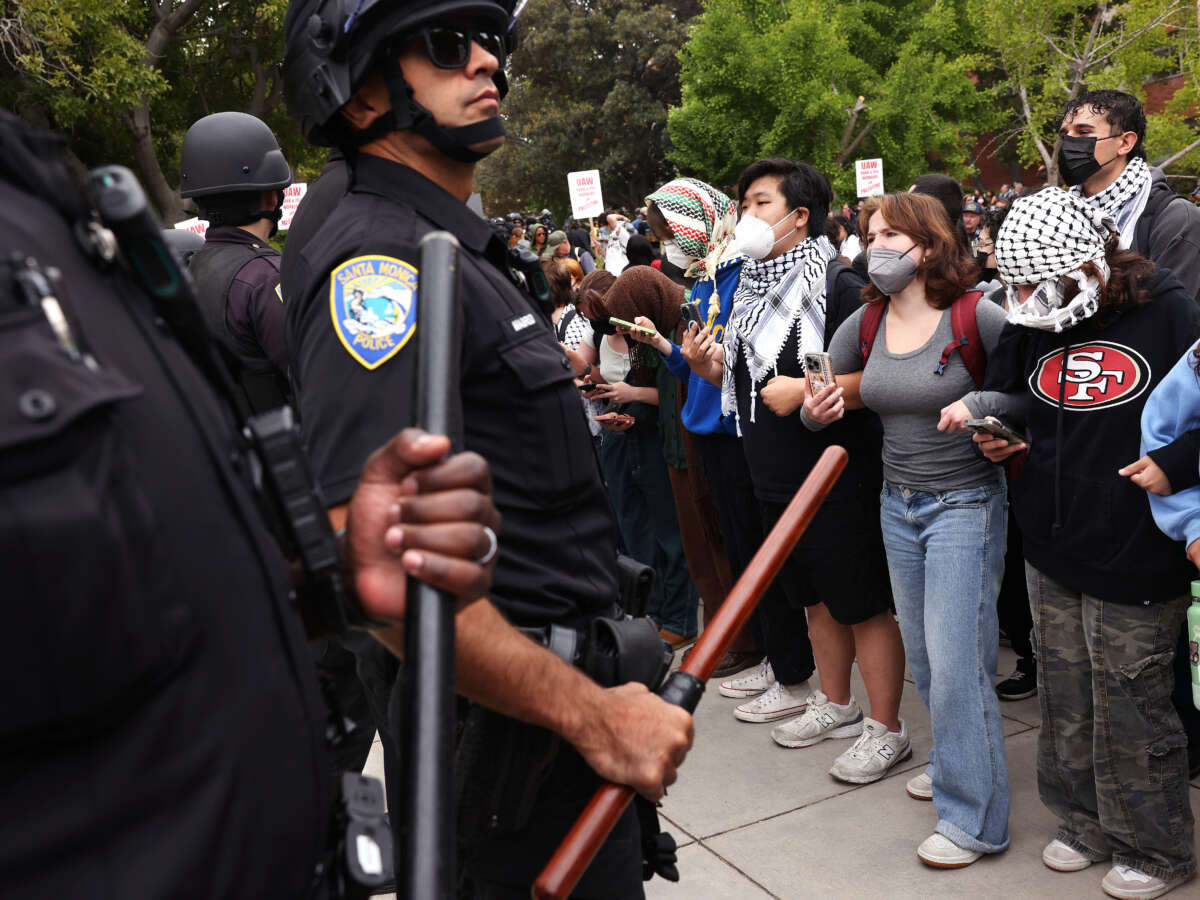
493 547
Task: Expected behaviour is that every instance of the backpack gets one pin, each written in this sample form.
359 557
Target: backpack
1157 202
962 322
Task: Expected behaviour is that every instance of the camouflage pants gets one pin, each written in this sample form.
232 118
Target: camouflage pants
1112 755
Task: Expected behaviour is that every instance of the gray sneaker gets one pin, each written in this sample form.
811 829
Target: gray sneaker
873 754
820 721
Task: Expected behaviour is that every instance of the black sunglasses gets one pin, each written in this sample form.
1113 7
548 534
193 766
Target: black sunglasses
450 48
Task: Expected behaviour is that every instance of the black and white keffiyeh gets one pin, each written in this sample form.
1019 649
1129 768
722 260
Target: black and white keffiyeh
1124 200
1045 236
772 296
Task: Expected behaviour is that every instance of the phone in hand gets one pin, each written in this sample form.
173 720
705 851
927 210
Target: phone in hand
818 369
588 386
994 427
613 320
690 312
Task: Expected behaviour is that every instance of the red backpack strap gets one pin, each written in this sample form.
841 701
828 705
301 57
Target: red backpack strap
966 338
868 326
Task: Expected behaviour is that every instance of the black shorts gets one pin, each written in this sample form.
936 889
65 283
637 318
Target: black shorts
839 560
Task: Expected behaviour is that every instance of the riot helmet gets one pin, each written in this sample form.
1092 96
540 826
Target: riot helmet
228 159
332 45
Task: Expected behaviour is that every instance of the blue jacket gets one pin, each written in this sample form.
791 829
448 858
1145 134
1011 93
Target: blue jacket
702 411
1170 420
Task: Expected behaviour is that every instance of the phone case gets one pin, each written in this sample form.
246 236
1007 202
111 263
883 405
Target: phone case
818 369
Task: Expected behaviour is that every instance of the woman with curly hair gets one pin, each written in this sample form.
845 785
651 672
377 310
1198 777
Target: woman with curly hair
942 508
1099 328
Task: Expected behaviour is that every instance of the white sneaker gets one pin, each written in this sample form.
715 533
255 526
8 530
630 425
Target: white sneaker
821 720
870 757
939 851
1130 884
777 702
920 787
750 683
1063 858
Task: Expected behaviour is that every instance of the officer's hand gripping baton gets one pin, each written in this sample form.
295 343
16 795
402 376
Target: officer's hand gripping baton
685 685
428 862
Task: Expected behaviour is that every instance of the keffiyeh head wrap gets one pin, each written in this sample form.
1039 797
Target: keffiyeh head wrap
701 217
1045 236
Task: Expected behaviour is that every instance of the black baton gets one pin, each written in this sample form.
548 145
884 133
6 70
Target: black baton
429 867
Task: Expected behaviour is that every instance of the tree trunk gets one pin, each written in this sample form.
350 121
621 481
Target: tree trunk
161 193
170 19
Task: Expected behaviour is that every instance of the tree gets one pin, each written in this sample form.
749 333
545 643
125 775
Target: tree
829 83
1050 51
591 84
123 79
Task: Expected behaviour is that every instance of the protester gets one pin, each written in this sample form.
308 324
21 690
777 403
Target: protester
1103 157
557 246
538 236
1098 328
635 468
942 507
581 248
782 310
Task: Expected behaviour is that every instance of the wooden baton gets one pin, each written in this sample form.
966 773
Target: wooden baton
685 685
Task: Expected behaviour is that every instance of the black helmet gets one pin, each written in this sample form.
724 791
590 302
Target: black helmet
231 152
331 46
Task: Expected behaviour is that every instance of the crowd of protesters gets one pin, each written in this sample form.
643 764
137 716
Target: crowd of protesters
1069 520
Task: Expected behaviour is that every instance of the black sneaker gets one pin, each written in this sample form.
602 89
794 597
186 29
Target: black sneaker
1018 686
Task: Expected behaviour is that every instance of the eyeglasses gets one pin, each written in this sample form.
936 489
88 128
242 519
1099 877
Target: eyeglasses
450 48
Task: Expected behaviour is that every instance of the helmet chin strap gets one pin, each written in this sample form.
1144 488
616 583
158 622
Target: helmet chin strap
407 114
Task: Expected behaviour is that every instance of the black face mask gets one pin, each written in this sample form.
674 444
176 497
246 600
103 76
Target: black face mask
1077 158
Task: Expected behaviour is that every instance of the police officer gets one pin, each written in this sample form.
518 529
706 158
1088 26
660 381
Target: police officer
162 733
231 165
409 90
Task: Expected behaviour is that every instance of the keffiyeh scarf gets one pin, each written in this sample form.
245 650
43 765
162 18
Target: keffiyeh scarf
702 219
1045 236
1114 201
772 297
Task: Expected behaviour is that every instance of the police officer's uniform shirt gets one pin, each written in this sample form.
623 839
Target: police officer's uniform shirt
254 304
162 732
351 321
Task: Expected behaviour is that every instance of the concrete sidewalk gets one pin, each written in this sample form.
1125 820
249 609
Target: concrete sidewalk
755 820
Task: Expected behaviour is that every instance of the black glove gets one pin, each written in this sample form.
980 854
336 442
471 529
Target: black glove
658 847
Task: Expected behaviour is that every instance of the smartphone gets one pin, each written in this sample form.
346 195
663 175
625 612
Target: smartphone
690 313
588 386
818 369
993 426
613 320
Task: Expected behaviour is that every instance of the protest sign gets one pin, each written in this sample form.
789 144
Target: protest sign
292 195
586 201
199 226
868 174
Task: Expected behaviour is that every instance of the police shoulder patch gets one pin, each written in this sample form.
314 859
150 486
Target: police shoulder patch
373 305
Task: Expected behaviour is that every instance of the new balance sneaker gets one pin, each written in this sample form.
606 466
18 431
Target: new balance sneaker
1130 884
750 683
920 787
873 754
939 851
821 720
1064 858
1018 686
776 702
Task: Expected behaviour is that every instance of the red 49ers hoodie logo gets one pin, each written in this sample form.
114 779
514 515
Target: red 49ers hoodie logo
1098 375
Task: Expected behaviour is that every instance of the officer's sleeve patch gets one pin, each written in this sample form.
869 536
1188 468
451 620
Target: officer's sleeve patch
279 292
373 305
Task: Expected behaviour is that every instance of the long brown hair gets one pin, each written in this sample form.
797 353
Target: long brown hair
949 269
1126 285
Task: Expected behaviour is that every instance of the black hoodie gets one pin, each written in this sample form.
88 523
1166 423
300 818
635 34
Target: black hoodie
1082 524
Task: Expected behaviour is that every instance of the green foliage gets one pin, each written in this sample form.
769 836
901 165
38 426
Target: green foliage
591 84
784 78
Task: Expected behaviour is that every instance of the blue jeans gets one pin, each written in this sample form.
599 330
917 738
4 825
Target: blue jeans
945 556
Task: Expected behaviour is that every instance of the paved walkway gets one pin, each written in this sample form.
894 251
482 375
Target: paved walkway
756 821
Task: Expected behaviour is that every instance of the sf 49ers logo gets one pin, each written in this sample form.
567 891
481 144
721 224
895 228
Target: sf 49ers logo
1097 375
